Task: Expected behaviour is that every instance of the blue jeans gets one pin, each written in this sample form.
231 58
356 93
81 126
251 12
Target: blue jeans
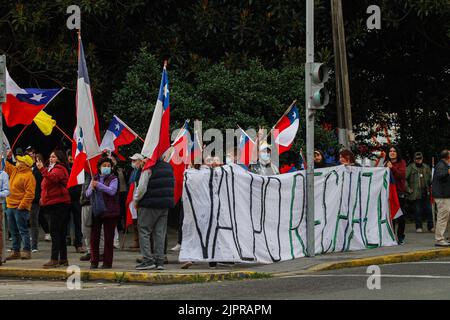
422 207
18 227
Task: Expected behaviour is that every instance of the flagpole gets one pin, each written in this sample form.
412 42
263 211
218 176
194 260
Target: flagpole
17 139
281 118
65 134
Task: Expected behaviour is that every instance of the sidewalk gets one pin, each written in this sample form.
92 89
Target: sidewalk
417 247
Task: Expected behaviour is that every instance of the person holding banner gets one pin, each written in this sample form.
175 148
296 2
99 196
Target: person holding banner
397 166
55 200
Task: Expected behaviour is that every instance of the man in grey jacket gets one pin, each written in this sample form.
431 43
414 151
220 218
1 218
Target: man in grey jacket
441 194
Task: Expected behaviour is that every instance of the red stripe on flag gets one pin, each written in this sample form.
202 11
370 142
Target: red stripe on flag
19 112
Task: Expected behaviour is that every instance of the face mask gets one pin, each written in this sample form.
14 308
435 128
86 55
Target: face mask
229 160
265 157
106 171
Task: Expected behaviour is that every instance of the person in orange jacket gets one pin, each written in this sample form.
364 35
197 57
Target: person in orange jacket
18 203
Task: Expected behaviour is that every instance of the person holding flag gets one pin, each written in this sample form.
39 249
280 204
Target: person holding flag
397 167
154 195
85 147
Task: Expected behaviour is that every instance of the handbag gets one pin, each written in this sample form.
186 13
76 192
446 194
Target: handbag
98 204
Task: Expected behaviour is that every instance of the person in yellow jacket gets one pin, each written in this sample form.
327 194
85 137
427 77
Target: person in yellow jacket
22 186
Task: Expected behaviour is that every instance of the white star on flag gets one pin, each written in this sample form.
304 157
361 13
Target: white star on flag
37 97
117 127
166 90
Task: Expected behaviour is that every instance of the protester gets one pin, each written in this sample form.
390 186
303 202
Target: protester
347 158
86 221
55 200
106 184
441 194
120 174
154 197
137 163
264 167
4 192
397 166
35 208
418 183
74 222
319 159
22 187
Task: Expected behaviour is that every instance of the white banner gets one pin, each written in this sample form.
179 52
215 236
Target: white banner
232 215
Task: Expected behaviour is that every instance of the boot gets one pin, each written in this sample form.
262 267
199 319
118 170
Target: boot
63 263
51 264
14 255
25 255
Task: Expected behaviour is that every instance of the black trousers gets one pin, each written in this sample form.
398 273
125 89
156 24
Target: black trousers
59 216
75 212
401 222
43 221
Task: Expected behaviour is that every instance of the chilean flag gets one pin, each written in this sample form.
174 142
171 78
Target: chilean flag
394 203
22 105
179 159
286 130
246 146
118 134
87 131
157 140
131 210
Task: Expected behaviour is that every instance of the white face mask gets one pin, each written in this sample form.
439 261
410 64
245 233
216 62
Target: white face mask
229 160
264 157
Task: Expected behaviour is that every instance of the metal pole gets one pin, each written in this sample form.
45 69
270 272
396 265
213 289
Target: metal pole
3 73
309 129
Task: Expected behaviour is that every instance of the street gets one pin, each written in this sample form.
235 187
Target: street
413 280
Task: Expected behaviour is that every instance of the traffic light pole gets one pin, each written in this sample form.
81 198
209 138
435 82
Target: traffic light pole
310 113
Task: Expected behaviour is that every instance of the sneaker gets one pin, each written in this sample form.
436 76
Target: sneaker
401 242
160 267
48 237
176 248
442 243
419 230
14 255
146 266
34 250
116 245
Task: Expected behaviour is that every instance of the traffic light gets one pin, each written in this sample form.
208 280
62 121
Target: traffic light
2 78
317 73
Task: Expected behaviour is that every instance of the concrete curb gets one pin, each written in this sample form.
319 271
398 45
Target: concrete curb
130 277
375 260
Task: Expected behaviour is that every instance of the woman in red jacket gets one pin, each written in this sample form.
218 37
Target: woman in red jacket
55 200
397 165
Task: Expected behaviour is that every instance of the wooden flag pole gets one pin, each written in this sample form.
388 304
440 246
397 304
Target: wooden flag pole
65 134
17 139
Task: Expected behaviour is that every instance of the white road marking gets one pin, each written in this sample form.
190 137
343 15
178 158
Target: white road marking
412 276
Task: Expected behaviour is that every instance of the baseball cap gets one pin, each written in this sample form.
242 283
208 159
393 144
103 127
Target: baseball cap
137 156
26 160
418 155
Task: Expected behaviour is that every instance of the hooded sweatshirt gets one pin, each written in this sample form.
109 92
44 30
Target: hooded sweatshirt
22 186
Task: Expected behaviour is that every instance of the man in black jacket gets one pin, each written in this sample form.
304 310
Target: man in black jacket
154 198
441 194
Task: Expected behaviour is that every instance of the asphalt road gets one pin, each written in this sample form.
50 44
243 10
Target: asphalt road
415 280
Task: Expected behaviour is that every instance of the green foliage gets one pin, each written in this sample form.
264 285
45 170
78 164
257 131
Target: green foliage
221 97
